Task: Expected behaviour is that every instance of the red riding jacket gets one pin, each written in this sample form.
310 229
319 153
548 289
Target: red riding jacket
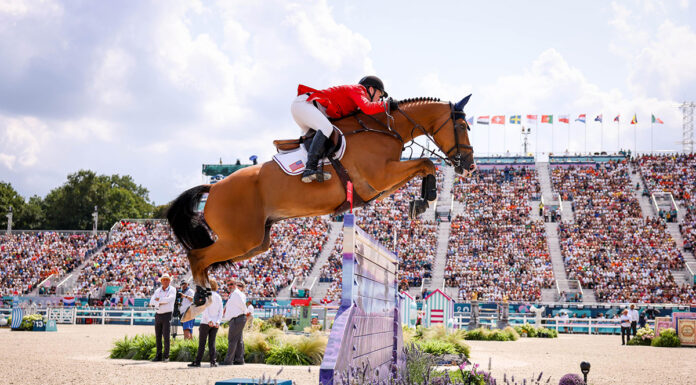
343 100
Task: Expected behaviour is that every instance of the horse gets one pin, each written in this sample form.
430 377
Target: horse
240 209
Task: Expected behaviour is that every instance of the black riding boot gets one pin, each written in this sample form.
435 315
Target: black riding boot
316 150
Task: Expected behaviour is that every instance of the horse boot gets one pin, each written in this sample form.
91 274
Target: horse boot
416 208
201 300
316 150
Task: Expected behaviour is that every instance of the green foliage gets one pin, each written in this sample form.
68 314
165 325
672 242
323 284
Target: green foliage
312 347
668 338
547 333
418 365
121 348
9 197
526 330
437 347
28 321
184 350
256 348
287 355
277 321
70 206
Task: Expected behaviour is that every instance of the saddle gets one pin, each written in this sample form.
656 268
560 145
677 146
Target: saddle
332 145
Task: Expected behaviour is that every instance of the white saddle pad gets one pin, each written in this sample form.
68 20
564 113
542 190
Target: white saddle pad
293 162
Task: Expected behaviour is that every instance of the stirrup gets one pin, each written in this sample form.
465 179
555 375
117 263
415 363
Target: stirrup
319 176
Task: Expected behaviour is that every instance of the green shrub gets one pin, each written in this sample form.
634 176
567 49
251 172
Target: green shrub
437 347
28 321
479 334
184 350
287 355
121 348
313 347
637 341
277 321
256 348
527 329
547 333
668 338
511 334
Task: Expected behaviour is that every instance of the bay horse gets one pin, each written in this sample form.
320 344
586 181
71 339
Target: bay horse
241 208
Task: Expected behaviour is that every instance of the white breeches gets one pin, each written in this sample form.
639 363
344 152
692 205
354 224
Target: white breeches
309 117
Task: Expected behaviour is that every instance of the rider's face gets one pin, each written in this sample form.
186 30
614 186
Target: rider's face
377 95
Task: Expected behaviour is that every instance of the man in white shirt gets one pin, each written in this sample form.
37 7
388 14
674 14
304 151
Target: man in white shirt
163 301
186 300
210 324
235 312
634 316
625 321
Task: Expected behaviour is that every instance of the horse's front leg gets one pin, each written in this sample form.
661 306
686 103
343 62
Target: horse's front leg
398 173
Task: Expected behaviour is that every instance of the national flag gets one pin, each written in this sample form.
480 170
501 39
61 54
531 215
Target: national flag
68 301
598 118
482 119
296 166
547 118
498 119
616 119
634 120
515 119
564 119
657 120
470 120
532 118
581 118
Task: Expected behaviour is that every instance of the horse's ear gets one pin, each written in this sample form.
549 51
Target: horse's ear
460 104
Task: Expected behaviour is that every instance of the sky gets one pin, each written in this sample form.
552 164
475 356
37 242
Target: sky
156 89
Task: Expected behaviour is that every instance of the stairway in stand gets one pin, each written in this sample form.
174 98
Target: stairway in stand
319 289
645 207
443 234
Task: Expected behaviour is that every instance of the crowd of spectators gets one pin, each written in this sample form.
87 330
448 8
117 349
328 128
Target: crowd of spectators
137 254
295 245
610 248
675 174
496 251
29 258
387 221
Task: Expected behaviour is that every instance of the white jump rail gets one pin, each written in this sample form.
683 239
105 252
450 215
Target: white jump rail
561 325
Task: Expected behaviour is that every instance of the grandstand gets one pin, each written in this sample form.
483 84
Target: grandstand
576 228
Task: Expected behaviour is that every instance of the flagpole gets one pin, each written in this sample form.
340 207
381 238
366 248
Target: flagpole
489 140
618 134
585 134
601 137
651 136
504 141
568 146
635 136
536 132
552 124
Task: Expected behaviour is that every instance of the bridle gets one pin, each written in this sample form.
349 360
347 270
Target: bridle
456 159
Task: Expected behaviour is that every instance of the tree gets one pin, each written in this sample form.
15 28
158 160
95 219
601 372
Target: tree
32 215
9 197
160 212
71 205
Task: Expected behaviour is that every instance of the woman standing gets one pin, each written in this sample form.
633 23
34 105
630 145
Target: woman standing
625 326
212 315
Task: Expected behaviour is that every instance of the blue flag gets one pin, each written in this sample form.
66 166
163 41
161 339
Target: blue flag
598 118
515 119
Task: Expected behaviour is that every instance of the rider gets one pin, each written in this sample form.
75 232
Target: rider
313 108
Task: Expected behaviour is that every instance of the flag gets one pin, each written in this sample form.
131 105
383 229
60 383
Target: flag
470 120
296 166
482 119
515 119
532 118
581 118
564 119
616 119
498 119
547 118
634 120
657 120
69 301
598 118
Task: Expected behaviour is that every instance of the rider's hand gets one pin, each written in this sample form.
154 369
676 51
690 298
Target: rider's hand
393 104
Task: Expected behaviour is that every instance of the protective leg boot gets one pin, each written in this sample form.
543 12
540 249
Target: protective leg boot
316 149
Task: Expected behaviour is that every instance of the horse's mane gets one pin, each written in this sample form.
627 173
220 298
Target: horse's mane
422 99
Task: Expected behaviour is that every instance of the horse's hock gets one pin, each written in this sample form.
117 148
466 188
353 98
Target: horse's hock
367 328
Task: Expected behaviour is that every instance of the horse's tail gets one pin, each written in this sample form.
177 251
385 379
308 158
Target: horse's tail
188 224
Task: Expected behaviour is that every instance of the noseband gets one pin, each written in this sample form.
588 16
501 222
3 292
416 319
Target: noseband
456 159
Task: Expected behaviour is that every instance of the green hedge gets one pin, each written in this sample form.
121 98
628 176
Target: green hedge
270 348
534 332
668 338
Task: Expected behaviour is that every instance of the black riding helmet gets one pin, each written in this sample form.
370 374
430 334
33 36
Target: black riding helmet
374 82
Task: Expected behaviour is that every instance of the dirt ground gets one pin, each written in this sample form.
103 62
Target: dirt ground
78 354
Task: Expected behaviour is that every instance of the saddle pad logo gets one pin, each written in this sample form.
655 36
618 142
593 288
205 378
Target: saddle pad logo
296 166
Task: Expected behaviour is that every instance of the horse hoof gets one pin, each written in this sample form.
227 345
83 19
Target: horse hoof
201 295
416 208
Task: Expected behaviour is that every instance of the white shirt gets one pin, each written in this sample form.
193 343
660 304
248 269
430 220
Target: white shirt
236 305
213 313
250 310
625 321
633 315
185 302
166 300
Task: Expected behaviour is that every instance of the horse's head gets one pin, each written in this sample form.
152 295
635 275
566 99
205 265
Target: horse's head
459 150
445 125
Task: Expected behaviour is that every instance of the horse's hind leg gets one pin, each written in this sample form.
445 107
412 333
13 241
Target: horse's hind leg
223 249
